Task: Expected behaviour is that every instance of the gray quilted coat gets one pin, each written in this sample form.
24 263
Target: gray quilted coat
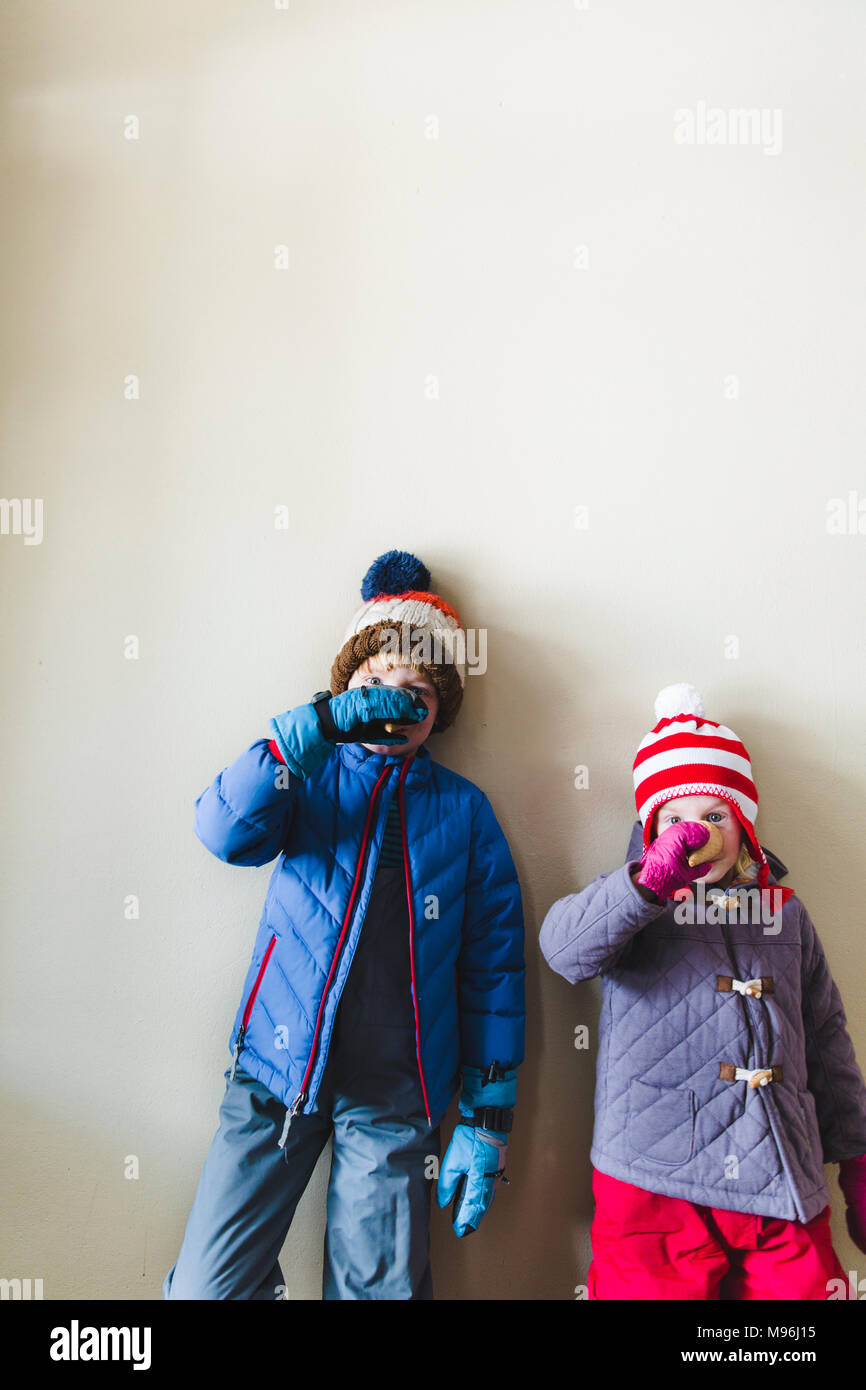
675 1022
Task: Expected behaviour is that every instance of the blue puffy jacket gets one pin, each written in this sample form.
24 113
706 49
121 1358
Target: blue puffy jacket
465 913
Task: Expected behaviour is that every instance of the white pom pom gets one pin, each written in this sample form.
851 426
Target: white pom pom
679 699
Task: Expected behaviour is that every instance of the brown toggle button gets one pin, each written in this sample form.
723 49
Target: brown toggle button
728 1072
725 985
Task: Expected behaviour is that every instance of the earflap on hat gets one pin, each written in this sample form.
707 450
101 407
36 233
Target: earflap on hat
777 895
755 849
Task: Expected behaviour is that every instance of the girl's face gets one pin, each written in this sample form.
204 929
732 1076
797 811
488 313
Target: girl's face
719 813
375 672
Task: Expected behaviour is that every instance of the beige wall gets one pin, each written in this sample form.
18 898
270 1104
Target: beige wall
693 377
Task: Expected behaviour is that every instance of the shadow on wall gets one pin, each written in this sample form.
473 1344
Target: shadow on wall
533 1243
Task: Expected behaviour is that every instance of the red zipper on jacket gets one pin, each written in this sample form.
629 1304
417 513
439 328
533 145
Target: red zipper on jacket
302 1094
255 989
403 771
239 1040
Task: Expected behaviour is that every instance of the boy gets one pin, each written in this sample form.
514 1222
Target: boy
388 960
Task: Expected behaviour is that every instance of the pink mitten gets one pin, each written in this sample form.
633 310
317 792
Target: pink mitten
852 1180
666 863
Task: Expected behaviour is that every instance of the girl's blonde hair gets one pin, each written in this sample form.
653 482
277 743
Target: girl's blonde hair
745 866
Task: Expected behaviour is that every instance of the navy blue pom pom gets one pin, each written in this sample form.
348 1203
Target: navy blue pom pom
394 573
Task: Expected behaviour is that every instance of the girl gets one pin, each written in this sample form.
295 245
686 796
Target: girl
726 1077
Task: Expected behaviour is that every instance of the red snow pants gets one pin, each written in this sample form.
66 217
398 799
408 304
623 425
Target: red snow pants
645 1245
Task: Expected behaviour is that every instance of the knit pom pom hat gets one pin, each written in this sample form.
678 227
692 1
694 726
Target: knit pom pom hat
400 613
687 754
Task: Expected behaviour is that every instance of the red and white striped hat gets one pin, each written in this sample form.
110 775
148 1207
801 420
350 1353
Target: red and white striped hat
687 754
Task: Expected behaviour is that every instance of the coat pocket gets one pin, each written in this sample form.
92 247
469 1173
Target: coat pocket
814 1146
256 986
251 999
661 1122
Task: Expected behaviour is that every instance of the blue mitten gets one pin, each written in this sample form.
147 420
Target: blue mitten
306 736
474 1162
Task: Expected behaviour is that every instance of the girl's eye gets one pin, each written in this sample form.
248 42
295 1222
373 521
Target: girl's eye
672 820
719 815
373 680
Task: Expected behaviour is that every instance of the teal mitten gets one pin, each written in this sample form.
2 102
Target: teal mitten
306 736
474 1162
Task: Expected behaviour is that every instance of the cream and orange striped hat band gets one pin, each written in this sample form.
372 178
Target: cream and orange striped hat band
687 754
